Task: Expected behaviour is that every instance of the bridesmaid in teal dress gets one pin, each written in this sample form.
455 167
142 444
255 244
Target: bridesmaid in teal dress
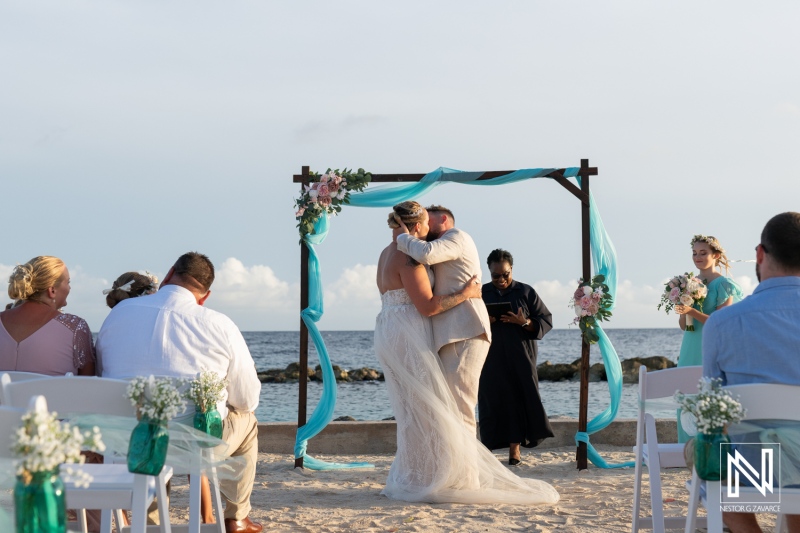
708 256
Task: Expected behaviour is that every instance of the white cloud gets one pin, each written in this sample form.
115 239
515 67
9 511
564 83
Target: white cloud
788 108
353 300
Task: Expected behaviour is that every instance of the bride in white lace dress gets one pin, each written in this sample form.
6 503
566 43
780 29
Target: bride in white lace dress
438 459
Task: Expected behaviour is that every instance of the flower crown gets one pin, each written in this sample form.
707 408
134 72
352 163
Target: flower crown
709 240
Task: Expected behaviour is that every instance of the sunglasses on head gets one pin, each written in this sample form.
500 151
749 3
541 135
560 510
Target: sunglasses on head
504 275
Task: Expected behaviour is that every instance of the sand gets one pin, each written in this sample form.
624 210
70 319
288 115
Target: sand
289 499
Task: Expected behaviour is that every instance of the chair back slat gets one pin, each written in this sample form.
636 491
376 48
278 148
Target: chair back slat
74 395
765 401
664 383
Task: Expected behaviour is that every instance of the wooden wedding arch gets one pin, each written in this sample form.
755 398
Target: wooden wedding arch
581 193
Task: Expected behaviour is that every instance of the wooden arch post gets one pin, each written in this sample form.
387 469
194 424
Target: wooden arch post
581 193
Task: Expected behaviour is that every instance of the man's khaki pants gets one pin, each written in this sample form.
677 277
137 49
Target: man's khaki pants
463 362
240 431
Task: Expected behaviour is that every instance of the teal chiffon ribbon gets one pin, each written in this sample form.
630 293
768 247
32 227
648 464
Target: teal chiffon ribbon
323 413
604 261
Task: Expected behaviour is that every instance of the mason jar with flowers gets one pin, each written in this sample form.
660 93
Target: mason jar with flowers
205 391
43 444
156 401
713 409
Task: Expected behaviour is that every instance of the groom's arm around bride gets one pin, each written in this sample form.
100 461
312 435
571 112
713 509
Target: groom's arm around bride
461 334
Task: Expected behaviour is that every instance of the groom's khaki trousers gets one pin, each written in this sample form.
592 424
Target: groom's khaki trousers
463 362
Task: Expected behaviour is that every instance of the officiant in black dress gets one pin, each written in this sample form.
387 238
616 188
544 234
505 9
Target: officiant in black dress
509 406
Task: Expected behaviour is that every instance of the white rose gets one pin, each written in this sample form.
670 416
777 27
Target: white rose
686 299
587 290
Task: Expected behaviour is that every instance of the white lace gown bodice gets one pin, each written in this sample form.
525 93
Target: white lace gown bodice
438 459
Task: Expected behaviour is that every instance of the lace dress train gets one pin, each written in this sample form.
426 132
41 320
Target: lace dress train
438 459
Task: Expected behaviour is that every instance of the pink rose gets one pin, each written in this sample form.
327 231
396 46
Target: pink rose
594 308
586 301
674 294
333 188
578 293
324 178
323 189
324 201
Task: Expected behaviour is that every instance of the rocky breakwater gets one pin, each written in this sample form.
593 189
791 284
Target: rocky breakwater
291 374
597 372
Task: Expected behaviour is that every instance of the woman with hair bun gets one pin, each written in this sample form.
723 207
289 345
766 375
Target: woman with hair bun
35 336
130 285
708 256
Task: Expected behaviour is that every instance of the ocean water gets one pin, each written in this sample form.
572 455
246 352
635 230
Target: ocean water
368 400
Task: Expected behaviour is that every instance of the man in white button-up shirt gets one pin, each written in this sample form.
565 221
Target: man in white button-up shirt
170 333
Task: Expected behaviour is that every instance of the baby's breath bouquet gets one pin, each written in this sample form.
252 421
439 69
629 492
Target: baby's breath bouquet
156 399
43 443
205 391
713 407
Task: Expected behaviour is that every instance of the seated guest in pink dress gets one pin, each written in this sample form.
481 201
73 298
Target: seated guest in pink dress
36 336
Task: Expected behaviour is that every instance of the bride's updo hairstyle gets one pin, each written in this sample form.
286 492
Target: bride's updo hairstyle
31 280
130 285
716 247
409 212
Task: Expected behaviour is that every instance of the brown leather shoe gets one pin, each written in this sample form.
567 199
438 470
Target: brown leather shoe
242 526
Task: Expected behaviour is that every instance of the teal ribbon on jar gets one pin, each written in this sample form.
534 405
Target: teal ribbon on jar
147 450
209 422
39 504
707 451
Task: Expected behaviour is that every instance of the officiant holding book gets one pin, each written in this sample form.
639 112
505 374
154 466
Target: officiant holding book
510 410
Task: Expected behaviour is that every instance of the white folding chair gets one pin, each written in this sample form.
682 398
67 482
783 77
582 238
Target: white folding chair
762 401
656 455
15 375
113 487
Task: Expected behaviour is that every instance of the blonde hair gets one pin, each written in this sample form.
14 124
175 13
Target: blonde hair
409 212
716 247
35 277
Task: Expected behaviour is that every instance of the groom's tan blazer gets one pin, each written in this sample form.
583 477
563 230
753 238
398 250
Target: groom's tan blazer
454 258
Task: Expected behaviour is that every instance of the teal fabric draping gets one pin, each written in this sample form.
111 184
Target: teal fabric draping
603 260
323 413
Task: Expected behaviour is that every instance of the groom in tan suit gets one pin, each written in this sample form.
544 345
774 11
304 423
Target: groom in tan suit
462 334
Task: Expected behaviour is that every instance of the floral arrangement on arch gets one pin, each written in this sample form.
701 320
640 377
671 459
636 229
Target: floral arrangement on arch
155 399
712 407
327 193
592 303
206 390
685 289
43 443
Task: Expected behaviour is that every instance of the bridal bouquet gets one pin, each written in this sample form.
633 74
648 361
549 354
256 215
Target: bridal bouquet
592 303
685 289
326 194
43 443
713 407
155 399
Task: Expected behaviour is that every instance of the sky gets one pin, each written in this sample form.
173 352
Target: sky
132 132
